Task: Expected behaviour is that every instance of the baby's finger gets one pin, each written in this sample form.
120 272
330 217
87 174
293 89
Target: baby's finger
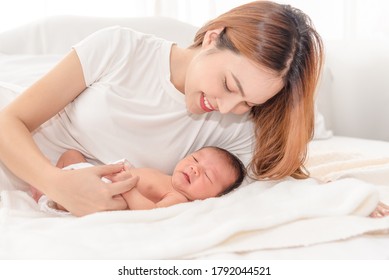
123 186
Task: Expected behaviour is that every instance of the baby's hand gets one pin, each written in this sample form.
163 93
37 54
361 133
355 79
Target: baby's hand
381 211
120 176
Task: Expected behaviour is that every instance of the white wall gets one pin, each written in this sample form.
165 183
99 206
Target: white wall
335 19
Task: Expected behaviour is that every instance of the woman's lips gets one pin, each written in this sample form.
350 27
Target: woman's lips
205 104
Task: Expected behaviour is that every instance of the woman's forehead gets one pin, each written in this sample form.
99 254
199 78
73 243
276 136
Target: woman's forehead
258 82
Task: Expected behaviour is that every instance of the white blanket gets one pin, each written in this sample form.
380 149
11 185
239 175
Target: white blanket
261 215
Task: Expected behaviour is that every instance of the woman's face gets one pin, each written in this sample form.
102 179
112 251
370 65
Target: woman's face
220 80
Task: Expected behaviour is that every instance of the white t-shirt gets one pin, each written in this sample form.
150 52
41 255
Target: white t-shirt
131 109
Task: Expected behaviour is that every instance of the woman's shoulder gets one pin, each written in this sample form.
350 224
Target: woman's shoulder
123 33
119 36
115 48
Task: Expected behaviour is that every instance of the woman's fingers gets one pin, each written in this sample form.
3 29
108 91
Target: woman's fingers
118 188
109 169
94 195
121 187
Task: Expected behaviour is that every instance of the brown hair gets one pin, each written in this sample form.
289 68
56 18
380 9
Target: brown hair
235 163
282 39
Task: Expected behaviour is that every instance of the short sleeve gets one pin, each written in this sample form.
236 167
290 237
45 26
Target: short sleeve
102 51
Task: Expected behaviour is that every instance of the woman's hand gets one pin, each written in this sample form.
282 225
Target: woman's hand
382 210
83 192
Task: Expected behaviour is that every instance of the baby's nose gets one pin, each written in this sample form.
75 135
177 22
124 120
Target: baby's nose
195 169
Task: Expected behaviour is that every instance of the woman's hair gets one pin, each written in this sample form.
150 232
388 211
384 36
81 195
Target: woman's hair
235 163
283 40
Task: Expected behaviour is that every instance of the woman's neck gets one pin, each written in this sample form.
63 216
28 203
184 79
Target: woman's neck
179 60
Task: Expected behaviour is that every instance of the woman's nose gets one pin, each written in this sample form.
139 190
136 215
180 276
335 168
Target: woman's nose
225 105
232 106
228 103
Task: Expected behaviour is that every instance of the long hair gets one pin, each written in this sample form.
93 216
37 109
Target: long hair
283 40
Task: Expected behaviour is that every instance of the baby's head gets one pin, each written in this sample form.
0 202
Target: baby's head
208 172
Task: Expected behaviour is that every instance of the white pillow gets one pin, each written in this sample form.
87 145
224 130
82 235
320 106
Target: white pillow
323 106
23 70
321 132
56 35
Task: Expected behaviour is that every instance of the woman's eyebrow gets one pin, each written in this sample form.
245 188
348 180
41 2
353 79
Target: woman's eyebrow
238 84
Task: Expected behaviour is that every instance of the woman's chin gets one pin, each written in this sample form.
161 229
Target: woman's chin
195 110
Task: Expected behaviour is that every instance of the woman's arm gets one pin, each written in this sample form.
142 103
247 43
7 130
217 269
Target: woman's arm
36 105
67 158
20 154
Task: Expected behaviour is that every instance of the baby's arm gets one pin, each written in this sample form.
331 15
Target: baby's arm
137 201
171 199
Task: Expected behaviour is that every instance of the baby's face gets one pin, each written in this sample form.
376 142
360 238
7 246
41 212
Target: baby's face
203 174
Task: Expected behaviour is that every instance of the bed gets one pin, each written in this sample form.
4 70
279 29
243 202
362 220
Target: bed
323 217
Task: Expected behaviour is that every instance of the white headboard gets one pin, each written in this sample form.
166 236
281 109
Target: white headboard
354 93
55 35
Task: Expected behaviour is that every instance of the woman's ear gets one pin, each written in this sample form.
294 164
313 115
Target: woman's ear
211 36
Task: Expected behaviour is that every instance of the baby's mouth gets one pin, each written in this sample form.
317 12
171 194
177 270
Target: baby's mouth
187 177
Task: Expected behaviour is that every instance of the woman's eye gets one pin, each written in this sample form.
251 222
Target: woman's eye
225 85
251 105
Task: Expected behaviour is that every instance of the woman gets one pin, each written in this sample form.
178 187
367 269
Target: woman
246 85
